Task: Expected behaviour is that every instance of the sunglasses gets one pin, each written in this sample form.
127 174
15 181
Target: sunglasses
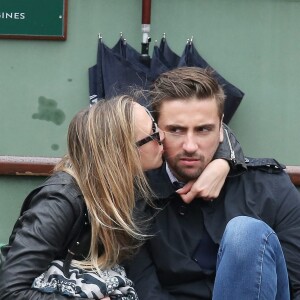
155 136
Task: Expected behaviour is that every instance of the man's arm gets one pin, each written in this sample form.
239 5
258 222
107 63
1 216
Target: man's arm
287 228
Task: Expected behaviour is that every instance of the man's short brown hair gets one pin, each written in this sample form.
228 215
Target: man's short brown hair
186 83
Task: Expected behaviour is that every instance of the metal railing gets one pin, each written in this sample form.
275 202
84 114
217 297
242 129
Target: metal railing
43 166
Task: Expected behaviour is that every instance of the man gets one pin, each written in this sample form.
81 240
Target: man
227 248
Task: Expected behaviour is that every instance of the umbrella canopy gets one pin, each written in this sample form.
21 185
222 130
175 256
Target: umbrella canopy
158 63
171 58
120 69
117 71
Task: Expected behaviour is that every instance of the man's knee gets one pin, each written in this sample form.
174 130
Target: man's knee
245 234
242 227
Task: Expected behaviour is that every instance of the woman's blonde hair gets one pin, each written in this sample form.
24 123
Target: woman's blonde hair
104 160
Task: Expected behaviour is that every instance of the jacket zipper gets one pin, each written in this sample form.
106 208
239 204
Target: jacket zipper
232 153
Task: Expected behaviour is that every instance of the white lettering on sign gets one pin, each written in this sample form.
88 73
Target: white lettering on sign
12 15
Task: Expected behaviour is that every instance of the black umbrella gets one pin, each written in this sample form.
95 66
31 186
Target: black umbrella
117 71
96 86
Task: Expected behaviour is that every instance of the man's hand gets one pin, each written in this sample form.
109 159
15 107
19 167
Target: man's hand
209 183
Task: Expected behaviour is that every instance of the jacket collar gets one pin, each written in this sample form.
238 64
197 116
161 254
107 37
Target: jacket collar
160 182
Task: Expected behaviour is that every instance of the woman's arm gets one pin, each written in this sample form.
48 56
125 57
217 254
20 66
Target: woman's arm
209 183
231 151
228 159
38 238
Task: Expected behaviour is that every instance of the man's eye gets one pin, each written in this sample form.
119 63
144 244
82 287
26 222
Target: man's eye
177 131
204 129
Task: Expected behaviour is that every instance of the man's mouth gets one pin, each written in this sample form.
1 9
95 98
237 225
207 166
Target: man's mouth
189 161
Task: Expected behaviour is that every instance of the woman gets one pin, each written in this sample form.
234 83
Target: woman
100 172
109 147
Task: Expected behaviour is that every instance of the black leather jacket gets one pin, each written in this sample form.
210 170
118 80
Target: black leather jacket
231 150
42 233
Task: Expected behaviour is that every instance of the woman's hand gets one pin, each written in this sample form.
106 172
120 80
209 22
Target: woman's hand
209 183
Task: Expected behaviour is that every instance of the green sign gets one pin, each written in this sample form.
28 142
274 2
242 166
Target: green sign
33 19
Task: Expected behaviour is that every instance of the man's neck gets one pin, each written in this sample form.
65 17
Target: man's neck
171 175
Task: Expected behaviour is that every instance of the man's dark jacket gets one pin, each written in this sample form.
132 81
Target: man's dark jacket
165 269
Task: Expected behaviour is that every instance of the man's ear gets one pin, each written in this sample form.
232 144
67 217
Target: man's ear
221 130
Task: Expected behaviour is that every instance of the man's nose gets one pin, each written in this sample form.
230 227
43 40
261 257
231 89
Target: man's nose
190 144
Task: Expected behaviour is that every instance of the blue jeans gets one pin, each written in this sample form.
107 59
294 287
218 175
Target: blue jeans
250 263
